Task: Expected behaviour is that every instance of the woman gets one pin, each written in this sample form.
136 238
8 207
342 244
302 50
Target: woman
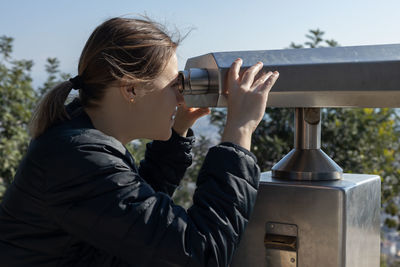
78 198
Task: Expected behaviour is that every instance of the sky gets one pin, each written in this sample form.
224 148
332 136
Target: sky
60 28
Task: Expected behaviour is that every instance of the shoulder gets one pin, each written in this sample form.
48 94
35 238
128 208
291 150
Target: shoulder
78 131
79 160
76 147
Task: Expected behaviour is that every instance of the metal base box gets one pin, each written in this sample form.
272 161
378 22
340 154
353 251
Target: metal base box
313 224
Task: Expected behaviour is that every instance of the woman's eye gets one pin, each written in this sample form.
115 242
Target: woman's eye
179 84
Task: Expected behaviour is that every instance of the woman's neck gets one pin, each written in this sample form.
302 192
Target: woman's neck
104 120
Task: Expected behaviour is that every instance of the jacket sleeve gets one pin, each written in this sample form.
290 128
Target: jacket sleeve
112 208
165 162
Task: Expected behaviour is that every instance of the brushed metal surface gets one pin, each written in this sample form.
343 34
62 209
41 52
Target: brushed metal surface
281 229
307 128
356 76
307 161
196 82
338 221
282 257
307 164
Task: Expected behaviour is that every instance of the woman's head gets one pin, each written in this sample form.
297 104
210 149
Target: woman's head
123 50
120 52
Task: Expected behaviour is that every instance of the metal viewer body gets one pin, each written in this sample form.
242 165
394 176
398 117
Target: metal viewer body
307 210
354 76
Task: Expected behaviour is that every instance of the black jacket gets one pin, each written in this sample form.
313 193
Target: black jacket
79 200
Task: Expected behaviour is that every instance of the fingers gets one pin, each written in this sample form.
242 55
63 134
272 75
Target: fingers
250 73
235 68
248 79
270 81
261 80
192 114
200 112
185 118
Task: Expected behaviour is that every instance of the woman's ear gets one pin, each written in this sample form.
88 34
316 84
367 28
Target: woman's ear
127 90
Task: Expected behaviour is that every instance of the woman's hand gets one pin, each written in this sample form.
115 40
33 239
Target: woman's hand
186 117
247 100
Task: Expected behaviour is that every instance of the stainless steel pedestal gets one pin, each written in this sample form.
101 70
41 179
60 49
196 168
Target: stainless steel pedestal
313 224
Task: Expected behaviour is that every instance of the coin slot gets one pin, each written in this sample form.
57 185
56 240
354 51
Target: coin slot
282 242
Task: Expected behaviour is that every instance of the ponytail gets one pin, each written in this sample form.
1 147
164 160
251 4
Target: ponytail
50 109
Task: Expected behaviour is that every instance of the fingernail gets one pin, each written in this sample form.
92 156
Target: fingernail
276 73
259 63
238 59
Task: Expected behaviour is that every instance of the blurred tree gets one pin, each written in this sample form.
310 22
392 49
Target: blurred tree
359 140
16 102
315 39
383 261
55 76
137 149
366 141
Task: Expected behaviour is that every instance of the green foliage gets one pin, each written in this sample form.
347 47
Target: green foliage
6 46
18 98
55 76
359 140
137 149
362 140
16 102
273 138
366 141
315 39
383 261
